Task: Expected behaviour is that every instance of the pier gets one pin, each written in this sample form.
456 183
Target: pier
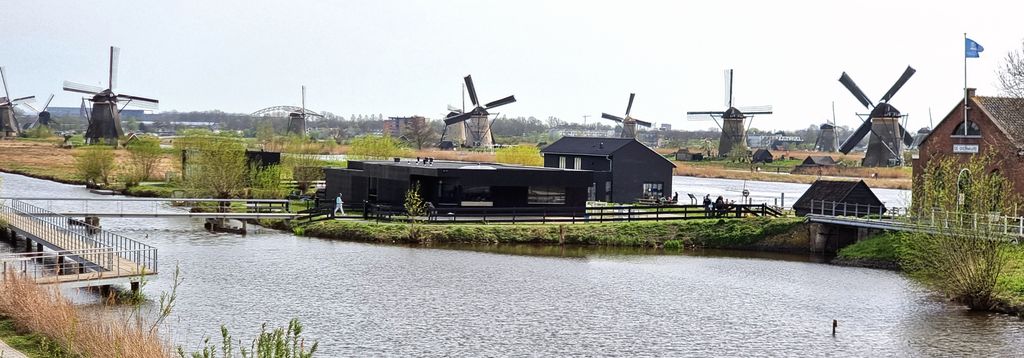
71 252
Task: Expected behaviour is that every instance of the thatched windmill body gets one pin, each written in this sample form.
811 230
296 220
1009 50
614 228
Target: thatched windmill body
476 127
8 118
628 122
888 137
731 121
105 119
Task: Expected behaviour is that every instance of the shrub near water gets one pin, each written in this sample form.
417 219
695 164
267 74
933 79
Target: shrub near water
716 233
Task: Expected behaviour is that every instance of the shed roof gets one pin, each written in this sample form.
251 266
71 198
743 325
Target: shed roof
818 160
840 191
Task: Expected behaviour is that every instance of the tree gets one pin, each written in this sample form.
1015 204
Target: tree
966 256
1011 74
264 131
415 208
419 132
522 155
143 156
376 147
214 166
95 164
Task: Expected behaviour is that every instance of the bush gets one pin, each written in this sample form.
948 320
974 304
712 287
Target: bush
95 164
143 156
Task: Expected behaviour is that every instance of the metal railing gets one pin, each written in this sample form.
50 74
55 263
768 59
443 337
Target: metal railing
934 220
70 265
110 206
78 241
572 214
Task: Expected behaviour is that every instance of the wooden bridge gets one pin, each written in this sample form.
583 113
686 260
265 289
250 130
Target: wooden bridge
78 254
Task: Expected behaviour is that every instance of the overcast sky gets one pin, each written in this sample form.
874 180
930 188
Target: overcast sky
559 58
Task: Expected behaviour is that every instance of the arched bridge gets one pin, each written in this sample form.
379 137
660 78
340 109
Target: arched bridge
283 112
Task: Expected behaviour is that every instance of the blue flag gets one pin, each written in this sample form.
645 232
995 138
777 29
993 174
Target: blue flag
972 49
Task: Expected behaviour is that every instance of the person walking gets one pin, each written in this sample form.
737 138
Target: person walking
707 205
338 206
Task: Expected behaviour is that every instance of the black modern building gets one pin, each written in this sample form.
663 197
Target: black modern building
625 170
458 184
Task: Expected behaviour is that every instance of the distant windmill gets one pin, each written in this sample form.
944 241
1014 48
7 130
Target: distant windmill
105 121
885 147
628 123
826 138
297 119
733 133
8 121
42 116
474 123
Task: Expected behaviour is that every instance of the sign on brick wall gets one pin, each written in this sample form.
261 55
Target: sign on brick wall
965 148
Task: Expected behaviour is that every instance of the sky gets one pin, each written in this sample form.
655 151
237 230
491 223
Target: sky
565 59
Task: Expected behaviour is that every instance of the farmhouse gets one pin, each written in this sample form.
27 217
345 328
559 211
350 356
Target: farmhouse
458 184
625 170
994 125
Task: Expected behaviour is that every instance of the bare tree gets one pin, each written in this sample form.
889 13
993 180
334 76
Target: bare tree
1011 74
418 133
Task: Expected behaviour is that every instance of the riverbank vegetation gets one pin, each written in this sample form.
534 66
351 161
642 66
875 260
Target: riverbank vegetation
40 322
712 233
974 264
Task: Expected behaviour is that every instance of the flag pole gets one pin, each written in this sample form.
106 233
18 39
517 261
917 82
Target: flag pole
965 84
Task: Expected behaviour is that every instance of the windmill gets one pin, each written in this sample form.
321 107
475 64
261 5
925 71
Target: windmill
628 123
42 116
732 126
105 121
826 141
476 127
8 121
297 119
885 147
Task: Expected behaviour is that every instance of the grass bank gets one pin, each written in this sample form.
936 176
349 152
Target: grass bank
884 250
750 233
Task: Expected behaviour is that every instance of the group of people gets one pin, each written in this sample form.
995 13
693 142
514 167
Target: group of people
717 208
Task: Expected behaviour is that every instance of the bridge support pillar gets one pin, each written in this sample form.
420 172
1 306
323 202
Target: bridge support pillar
819 236
60 265
94 221
28 244
39 247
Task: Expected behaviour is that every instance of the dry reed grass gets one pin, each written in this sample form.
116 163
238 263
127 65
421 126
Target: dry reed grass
42 310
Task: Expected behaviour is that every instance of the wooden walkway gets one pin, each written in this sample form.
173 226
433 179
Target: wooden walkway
80 254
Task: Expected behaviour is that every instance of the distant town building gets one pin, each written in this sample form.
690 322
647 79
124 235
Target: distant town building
994 125
396 126
665 127
625 170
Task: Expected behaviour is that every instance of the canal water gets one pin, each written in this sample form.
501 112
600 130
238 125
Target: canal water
782 194
372 300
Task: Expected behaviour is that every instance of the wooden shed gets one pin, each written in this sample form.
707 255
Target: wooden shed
839 197
762 156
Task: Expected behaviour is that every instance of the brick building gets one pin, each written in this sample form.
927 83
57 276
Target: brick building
994 123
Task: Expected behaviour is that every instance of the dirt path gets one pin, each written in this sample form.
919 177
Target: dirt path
8 352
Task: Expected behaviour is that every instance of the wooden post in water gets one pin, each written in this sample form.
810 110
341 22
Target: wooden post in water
135 291
834 324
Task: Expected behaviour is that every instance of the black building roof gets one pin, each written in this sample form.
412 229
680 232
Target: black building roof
838 191
818 160
587 145
595 146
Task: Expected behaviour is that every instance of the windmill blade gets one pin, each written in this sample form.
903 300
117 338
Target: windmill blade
908 139
314 114
115 54
140 102
728 88
899 84
303 99
47 105
630 105
643 123
614 118
852 87
766 109
3 78
500 102
30 107
23 100
458 118
692 116
856 137
472 91
81 88
452 108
